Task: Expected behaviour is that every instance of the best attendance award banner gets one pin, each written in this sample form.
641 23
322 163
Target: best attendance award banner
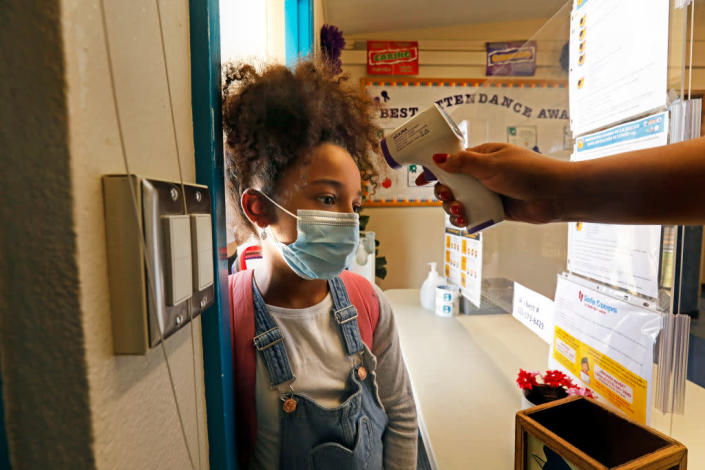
527 112
606 344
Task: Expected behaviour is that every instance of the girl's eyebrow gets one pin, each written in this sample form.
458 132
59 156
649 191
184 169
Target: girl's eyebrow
335 183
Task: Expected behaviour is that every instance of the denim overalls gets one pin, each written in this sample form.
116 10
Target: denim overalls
347 437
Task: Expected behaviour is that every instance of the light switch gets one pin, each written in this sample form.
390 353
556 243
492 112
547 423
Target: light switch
177 236
202 246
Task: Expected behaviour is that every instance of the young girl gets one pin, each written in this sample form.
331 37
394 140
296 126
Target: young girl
320 382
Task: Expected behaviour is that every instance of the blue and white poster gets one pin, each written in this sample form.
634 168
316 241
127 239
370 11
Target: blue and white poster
624 256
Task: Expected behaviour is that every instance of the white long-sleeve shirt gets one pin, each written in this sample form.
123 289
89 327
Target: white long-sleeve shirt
321 367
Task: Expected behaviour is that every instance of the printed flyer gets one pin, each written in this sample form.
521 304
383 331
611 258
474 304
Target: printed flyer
625 256
607 345
463 263
618 61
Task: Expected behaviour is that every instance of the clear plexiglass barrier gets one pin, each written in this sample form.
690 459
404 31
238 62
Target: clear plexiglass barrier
615 304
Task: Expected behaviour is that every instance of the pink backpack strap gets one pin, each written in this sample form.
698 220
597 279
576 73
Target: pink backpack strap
364 298
242 321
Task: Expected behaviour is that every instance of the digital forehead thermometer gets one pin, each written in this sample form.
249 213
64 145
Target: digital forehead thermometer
433 131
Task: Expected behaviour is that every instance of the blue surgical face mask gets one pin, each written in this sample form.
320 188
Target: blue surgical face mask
325 242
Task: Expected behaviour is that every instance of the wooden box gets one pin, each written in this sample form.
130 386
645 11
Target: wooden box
578 433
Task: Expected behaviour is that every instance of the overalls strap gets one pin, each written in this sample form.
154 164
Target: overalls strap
269 342
345 315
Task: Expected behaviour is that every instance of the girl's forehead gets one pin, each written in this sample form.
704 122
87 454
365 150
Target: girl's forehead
331 162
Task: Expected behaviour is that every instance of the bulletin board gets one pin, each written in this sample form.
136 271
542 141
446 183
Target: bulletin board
532 113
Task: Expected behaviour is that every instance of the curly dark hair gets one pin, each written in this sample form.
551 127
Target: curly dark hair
274 117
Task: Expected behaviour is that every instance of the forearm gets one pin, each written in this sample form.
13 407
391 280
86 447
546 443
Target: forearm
663 185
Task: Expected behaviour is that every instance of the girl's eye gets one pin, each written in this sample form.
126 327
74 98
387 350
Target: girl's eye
327 200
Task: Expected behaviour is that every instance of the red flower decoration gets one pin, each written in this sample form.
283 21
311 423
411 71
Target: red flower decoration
387 183
526 380
556 378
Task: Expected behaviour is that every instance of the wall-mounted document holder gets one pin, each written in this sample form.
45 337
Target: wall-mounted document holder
160 258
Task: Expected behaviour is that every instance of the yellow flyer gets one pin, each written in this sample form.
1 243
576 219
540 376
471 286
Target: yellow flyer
606 344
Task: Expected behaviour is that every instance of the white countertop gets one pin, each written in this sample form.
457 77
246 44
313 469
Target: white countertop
463 370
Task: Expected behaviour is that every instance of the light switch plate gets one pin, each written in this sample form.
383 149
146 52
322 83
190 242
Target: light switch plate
177 238
151 258
202 247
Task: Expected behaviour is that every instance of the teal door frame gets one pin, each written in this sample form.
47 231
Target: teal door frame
204 18
298 19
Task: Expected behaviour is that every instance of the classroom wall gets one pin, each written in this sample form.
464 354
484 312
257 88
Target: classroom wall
71 403
411 237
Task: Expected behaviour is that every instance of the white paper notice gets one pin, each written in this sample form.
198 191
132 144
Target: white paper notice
534 310
463 262
625 256
618 61
471 268
607 344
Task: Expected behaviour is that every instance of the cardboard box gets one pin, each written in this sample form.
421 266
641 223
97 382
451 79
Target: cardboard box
579 433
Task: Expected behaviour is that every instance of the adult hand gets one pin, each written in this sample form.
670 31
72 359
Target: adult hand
529 183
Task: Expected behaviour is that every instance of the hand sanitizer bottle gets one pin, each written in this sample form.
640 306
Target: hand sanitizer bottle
428 288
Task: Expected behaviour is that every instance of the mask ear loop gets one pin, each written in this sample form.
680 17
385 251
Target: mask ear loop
263 233
277 204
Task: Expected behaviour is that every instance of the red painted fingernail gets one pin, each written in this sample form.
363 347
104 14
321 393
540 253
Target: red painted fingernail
444 195
440 157
460 221
455 210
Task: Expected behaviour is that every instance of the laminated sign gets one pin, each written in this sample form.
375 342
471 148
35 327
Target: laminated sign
392 58
607 344
516 58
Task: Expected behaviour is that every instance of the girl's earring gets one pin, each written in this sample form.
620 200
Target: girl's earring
263 234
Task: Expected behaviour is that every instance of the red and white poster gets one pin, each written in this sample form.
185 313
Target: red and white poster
392 58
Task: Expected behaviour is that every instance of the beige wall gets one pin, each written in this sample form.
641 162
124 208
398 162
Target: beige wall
409 238
133 414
